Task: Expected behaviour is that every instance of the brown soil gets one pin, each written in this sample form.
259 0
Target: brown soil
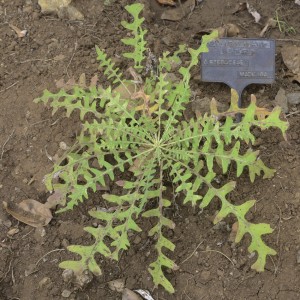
56 48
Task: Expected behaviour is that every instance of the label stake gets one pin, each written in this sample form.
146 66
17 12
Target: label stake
239 62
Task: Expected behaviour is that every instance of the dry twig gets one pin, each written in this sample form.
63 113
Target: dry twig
9 87
9 137
210 250
55 250
192 253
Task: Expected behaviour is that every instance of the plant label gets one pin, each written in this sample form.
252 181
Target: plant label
239 62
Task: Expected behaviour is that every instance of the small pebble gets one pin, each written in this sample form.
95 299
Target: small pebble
205 275
84 279
293 98
6 223
39 233
44 281
66 293
137 240
298 257
13 231
63 146
35 15
67 275
28 9
65 243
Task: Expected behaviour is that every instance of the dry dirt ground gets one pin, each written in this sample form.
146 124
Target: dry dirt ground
58 48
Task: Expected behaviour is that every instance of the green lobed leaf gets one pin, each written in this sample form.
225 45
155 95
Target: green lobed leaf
137 41
146 147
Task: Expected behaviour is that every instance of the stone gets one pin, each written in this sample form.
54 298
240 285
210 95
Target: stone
7 223
137 240
205 276
67 275
62 8
281 100
28 9
66 293
117 285
293 98
71 13
45 281
49 6
83 279
13 231
168 40
63 146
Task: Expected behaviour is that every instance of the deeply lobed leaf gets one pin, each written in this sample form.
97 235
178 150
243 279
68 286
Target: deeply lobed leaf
149 143
137 41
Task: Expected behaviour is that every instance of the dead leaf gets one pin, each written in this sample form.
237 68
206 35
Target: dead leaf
146 105
178 13
167 2
57 198
82 80
130 295
260 112
233 233
30 212
227 30
49 6
117 285
94 81
20 33
253 12
136 77
291 58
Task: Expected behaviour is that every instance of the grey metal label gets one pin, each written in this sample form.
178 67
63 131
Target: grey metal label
239 62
